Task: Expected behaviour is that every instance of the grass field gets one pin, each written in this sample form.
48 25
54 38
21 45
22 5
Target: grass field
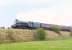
39 45
18 36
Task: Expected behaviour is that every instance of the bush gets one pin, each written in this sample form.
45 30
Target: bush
70 33
40 34
56 29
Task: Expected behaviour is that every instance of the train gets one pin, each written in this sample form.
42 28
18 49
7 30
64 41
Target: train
35 25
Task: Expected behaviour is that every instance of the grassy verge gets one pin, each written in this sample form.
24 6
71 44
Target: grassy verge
39 45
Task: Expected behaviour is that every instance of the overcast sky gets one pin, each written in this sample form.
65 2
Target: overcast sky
46 11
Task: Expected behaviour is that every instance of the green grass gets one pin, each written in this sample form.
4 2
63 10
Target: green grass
39 45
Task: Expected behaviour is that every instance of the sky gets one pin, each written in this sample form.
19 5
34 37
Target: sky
46 11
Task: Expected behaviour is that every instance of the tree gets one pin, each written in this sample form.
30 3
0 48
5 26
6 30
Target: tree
56 29
40 34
